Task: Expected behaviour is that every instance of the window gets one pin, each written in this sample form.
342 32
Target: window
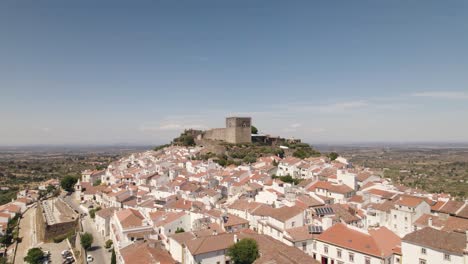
338 253
293 223
351 257
325 249
423 251
367 260
397 260
422 261
394 216
406 218
304 246
446 257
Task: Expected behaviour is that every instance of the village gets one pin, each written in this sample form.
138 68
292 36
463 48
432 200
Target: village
195 210
166 206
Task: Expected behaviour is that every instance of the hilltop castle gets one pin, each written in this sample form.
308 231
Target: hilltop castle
238 130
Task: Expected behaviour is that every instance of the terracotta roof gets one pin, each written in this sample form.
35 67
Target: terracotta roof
453 242
336 188
300 233
451 207
233 220
273 251
409 201
371 243
210 243
106 212
356 199
384 207
381 193
463 212
284 213
450 223
168 217
436 207
130 218
143 253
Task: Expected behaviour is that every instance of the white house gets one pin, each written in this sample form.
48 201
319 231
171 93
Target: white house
342 244
432 246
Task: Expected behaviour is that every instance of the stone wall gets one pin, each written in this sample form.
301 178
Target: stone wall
49 232
215 134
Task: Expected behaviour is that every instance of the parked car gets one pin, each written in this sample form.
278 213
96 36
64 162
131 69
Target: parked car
90 258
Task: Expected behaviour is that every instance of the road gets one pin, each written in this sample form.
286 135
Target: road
99 252
29 240
27 232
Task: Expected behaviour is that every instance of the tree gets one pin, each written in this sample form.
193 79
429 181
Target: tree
244 252
109 243
86 240
97 183
92 213
34 256
179 230
50 188
114 257
333 155
68 182
254 130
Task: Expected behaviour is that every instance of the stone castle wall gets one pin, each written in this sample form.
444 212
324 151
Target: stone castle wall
49 232
215 134
238 130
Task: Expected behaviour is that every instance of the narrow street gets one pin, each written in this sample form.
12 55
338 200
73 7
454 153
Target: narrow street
98 251
27 233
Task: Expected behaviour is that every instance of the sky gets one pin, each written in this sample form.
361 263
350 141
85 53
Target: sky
139 72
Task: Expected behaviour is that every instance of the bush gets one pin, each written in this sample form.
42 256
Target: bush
244 252
34 256
68 183
333 155
109 243
86 240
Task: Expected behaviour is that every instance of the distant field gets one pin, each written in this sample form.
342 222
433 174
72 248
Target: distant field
435 169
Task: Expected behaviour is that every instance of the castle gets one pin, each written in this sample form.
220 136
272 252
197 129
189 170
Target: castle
238 130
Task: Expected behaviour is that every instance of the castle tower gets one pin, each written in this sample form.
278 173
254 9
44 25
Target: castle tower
238 130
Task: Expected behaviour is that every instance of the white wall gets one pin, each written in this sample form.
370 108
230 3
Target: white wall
412 254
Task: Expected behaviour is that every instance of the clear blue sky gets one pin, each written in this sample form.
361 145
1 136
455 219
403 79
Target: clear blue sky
104 72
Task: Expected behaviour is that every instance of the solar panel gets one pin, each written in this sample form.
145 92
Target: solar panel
324 210
315 229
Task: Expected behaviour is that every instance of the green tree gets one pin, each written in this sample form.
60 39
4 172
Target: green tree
109 243
50 188
333 155
68 183
244 252
34 256
254 130
97 183
179 230
92 213
114 257
86 240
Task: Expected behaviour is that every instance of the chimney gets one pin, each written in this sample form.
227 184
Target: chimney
430 221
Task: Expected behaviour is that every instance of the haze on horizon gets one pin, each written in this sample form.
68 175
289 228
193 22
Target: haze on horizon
106 72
